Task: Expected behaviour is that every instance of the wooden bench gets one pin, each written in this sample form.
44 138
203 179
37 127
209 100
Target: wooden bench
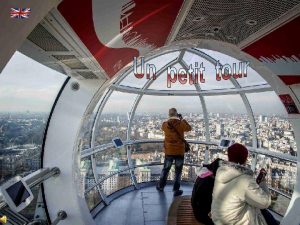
181 212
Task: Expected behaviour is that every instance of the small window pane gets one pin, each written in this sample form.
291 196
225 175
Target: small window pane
112 161
274 131
159 62
152 111
209 74
161 82
228 118
85 134
113 121
252 79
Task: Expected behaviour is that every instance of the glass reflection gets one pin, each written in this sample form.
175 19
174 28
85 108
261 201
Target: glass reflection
209 74
85 134
159 62
151 113
27 93
113 121
252 79
230 122
112 163
282 177
161 82
92 198
281 174
274 131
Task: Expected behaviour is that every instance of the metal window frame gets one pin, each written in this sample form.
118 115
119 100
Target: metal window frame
116 86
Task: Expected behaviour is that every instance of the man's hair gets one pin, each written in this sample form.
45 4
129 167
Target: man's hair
172 112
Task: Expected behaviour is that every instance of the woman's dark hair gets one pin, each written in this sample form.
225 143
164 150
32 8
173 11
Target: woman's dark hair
213 167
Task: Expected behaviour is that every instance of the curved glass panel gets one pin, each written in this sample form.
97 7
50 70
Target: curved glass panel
92 198
217 152
252 79
159 62
282 177
147 153
114 118
152 111
85 134
266 103
109 162
148 173
161 82
27 93
209 74
152 153
87 182
86 174
281 174
152 173
274 131
228 118
85 131
131 81
280 203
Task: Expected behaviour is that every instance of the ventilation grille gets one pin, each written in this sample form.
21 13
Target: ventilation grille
87 74
231 20
42 38
71 61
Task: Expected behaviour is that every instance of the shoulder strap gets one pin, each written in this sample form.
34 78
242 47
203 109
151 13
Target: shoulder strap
176 131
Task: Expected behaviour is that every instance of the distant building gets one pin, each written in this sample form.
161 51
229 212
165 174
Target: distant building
262 119
117 181
220 129
143 174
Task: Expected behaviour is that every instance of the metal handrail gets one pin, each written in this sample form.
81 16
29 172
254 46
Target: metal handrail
105 178
280 192
41 175
158 92
283 156
90 151
98 183
159 164
118 172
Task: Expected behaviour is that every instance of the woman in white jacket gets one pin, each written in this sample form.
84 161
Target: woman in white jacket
237 198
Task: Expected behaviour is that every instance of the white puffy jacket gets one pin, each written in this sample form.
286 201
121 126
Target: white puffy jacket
237 199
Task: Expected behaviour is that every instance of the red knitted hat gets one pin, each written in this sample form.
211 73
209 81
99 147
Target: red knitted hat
237 153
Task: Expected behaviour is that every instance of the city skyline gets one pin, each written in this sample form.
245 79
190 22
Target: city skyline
22 137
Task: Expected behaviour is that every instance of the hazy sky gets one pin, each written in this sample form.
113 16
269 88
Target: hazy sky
26 85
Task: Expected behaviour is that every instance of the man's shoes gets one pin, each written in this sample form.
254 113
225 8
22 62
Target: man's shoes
178 193
159 188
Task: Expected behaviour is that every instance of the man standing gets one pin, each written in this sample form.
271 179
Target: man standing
174 149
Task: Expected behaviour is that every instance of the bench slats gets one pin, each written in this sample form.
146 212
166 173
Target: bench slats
181 212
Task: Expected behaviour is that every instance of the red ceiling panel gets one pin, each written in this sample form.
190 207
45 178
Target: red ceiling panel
120 29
